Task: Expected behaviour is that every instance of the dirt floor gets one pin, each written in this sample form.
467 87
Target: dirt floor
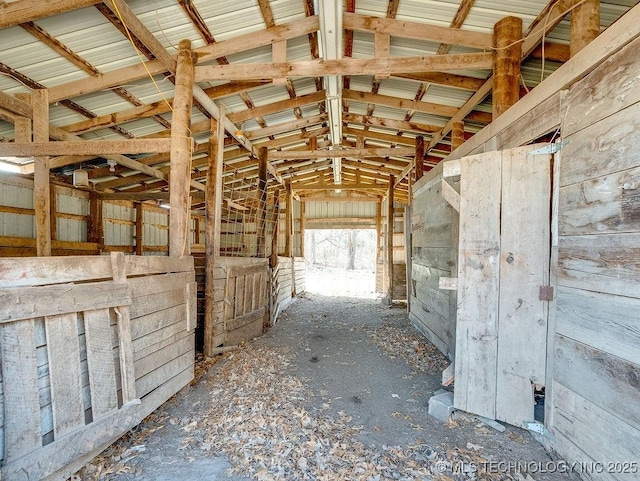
337 390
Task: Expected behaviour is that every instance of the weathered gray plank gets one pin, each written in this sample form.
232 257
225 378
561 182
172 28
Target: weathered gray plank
524 267
603 148
433 236
602 436
147 285
102 372
159 376
191 301
21 403
605 322
602 263
478 278
154 360
37 271
612 87
150 303
606 204
605 380
143 326
64 373
239 301
31 302
145 265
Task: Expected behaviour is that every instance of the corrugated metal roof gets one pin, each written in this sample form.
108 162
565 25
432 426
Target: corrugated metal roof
93 37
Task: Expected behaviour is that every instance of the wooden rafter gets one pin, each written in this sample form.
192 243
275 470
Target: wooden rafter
346 66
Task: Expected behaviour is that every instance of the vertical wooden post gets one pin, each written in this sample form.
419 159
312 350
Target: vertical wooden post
457 134
196 230
378 248
95 231
506 64
41 191
180 178
584 25
303 225
262 201
392 181
407 253
419 157
53 208
139 228
276 228
213 222
288 243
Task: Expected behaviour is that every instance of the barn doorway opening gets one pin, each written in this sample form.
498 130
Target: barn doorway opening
341 262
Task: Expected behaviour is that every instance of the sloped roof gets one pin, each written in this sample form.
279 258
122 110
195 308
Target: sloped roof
61 51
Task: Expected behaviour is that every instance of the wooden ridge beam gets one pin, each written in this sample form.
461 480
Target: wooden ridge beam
345 66
418 31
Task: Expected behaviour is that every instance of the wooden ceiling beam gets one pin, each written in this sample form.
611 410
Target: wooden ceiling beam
345 66
286 127
417 31
458 19
84 147
14 13
322 154
369 134
214 51
399 103
443 78
400 125
275 107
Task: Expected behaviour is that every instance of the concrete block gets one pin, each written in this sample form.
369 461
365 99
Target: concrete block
441 405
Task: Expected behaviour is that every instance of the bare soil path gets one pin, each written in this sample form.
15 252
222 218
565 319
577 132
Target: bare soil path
337 390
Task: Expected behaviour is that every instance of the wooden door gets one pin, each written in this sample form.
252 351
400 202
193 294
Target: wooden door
504 255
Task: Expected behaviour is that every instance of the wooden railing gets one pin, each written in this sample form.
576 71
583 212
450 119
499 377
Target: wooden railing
90 346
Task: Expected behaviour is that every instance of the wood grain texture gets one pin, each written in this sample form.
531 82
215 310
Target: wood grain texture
608 90
102 374
64 372
603 148
524 267
32 302
606 380
478 282
22 431
603 321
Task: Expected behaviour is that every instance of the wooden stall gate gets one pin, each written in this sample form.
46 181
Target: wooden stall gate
245 301
87 353
503 279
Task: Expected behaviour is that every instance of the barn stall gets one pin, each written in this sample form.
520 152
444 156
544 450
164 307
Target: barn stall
146 220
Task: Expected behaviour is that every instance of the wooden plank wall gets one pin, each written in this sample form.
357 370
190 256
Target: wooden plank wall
434 254
592 407
70 223
399 259
73 343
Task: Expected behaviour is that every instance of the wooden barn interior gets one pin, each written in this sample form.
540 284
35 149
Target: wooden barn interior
160 162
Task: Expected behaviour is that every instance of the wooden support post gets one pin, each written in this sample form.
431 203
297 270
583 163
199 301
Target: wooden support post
506 64
457 135
95 231
41 191
276 228
288 243
180 178
419 157
196 230
392 182
378 248
407 253
585 25
213 223
303 224
262 204
53 208
139 228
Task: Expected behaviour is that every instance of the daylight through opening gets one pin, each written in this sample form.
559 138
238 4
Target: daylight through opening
341 262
